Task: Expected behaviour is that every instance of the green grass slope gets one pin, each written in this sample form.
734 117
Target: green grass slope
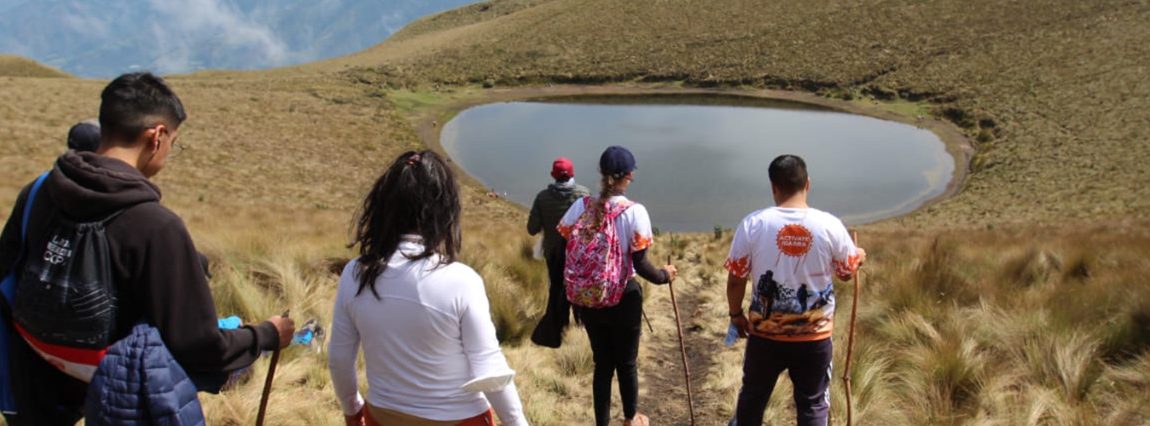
1052 91
17 66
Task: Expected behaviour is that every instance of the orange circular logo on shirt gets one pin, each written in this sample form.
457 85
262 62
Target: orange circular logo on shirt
794 240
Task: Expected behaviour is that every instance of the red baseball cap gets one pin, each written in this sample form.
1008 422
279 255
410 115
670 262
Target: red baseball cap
562 168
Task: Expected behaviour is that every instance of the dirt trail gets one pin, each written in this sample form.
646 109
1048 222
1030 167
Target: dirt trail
663 394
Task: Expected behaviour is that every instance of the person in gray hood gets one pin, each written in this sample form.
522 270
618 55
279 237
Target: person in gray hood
548 208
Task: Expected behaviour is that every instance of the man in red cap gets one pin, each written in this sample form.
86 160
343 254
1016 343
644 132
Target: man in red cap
548 208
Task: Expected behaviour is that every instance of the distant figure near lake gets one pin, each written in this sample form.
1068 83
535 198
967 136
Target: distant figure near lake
549 206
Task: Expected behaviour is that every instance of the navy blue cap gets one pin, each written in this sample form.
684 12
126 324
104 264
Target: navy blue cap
84 136
616 160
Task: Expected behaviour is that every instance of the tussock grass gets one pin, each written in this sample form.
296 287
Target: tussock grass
1023 331
516 282
1016 339
1022 300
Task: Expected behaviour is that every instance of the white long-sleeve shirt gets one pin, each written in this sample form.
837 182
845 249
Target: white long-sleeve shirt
428 333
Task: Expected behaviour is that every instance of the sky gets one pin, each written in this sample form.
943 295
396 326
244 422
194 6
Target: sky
102 38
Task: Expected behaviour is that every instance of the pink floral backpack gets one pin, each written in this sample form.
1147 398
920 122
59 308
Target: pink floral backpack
597 269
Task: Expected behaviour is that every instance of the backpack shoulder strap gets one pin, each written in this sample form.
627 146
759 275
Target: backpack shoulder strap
28 205
114 215
9 283
618 209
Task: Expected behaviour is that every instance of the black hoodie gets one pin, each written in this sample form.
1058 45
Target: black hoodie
158 274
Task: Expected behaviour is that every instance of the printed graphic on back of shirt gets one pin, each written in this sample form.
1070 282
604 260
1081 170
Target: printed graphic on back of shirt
790 308
783 310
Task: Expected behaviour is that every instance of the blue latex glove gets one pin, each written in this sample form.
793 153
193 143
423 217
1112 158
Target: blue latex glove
732 335
230 323
302 337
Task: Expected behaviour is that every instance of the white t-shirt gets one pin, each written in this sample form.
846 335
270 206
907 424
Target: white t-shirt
633 226
791 257
427 334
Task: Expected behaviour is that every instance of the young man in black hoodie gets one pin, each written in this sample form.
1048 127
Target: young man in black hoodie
155 267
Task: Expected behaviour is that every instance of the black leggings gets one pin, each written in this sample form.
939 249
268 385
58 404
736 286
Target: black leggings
614 334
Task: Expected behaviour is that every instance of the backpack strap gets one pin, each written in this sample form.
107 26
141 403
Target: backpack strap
619 209
8 288
28 205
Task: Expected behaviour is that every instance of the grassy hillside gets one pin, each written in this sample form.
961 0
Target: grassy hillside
1052 90
463 16
1022 300
16 66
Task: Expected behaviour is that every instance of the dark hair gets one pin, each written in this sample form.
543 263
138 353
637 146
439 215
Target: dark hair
788 173
133 102
416 195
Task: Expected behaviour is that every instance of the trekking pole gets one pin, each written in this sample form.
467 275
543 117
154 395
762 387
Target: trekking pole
682 349
268 382
649 328
851 340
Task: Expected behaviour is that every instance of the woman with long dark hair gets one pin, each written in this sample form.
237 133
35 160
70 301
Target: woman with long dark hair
610 302
422 318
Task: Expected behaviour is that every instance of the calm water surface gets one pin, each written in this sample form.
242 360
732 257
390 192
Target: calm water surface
704 163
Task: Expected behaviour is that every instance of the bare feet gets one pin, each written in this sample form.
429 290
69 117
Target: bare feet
639 420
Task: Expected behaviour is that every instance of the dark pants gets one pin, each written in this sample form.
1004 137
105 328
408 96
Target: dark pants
45 396
614 334
549 331
807 363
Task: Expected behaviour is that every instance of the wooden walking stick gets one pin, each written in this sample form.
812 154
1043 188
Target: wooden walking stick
851 339
682 350
268 382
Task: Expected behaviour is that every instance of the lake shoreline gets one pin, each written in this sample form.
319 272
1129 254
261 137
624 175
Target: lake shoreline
429 121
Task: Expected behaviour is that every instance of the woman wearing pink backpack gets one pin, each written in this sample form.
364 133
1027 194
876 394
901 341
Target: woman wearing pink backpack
607 240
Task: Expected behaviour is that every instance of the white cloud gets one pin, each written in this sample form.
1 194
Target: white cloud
393 21
183 29
91 28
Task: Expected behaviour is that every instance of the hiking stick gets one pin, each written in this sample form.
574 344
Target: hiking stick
682 349
851 339
649 328
268 381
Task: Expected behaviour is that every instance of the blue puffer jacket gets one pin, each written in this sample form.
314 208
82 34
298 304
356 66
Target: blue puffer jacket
139 383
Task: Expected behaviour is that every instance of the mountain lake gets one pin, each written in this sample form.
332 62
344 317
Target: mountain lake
702 161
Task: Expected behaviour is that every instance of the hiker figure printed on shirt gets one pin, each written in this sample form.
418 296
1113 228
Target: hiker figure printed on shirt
780 310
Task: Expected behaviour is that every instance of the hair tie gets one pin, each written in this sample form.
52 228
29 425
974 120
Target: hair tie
414 158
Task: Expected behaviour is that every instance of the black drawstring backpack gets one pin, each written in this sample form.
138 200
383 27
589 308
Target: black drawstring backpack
65 301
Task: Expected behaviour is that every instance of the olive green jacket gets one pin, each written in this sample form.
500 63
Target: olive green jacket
550 206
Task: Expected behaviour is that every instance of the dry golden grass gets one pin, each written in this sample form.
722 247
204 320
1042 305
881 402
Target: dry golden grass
993 347
1022 300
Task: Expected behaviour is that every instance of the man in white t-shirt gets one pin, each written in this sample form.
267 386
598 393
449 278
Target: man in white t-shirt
793 252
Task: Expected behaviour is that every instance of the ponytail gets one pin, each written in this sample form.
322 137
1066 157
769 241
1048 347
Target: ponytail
608 187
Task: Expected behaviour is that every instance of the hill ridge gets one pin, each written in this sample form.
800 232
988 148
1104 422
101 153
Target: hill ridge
19 66
1021 79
